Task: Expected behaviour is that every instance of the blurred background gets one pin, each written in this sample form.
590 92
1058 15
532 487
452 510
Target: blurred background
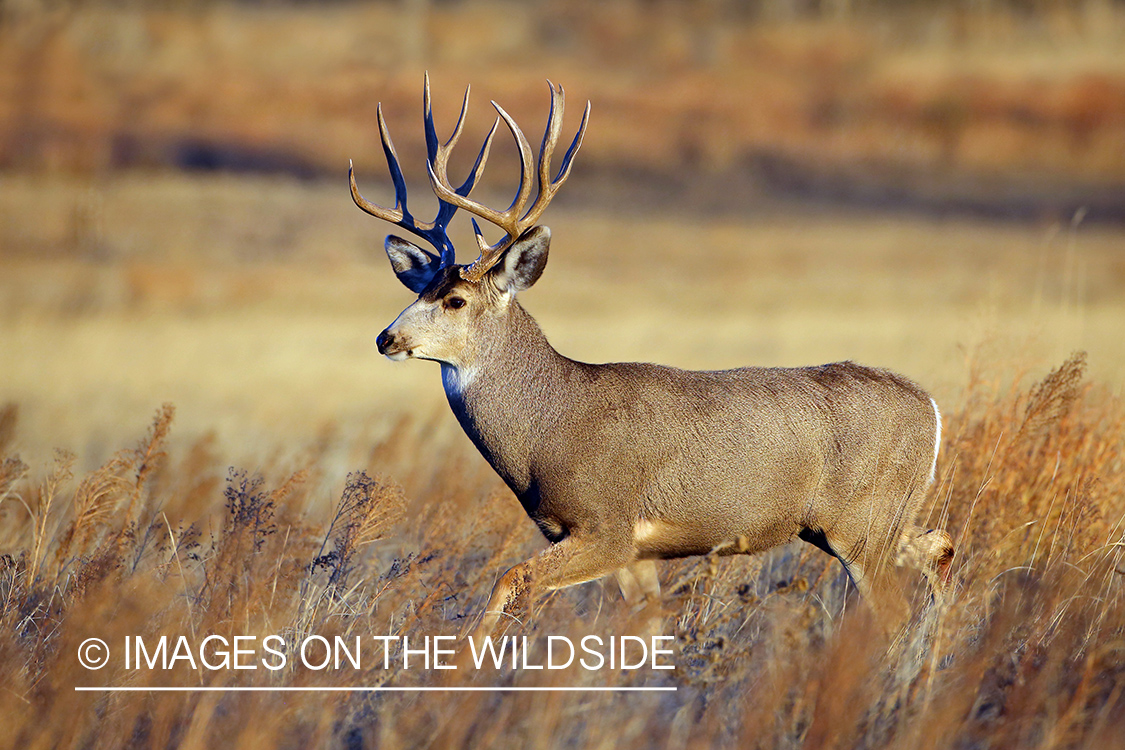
919 184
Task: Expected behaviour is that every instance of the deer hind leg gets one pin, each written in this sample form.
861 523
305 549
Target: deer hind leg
931 552
871 567
572 561
883 593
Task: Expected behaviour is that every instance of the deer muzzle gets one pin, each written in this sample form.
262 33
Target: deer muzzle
391 345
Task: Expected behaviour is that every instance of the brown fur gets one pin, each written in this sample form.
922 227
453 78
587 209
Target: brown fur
624 463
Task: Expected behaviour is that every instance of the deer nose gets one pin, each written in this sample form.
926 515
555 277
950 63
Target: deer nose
384 341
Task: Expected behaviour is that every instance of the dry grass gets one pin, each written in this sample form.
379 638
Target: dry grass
344 517
1026 652
349 518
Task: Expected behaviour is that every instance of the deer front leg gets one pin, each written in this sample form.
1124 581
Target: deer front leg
574 560
638 581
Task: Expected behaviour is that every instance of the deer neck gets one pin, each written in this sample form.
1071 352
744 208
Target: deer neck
506 394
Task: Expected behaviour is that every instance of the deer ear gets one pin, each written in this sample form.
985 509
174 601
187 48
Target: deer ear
523 262
414 266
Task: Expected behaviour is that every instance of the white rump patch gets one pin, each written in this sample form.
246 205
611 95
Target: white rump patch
937 440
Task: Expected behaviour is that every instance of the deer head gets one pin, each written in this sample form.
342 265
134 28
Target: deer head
457 305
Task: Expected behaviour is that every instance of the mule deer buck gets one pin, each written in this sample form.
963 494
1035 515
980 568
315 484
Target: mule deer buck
623 464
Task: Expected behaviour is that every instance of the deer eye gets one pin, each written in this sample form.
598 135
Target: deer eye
455 303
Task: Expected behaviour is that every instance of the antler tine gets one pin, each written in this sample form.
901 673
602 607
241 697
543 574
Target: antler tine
515 210
433 232
564 168
550 138
440 152
508 220
515 220
396 215
428 117
447 209
437 167
428 114
439 176
547 186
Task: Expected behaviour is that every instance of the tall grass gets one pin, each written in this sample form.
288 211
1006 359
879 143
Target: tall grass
771 651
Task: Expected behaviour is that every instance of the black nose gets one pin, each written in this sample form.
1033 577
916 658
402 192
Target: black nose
386 338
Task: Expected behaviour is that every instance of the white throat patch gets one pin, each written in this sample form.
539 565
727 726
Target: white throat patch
456 379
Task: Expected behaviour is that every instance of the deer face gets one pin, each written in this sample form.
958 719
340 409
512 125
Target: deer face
453 317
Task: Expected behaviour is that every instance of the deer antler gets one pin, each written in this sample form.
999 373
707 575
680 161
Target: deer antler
515 220
434 231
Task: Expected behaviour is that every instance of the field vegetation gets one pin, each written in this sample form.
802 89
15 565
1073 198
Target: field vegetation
198 437
769 651
304 485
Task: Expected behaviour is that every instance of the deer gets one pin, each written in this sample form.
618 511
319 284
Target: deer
620 465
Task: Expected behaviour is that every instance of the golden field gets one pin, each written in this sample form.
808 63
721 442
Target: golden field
294 482
252 305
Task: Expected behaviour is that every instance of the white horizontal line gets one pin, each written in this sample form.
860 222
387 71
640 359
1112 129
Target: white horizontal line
98 689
